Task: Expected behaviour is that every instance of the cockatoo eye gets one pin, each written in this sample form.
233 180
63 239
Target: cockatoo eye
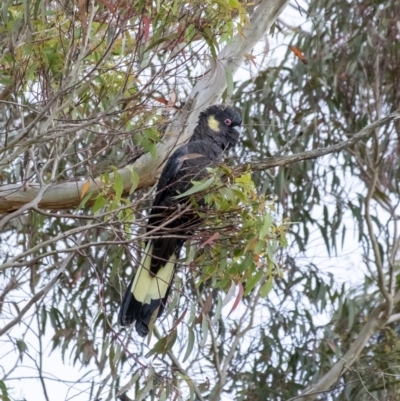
228 121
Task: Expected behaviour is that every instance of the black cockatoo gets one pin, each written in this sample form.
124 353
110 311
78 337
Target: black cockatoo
217 131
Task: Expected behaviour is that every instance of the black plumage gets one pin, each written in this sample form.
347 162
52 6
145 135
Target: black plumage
217 131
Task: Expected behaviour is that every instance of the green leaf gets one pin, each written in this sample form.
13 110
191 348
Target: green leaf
252 282
266 226
197 187
204 329
190 32
164 344
164 394
130 383
134 180
189 347
4 392
43 319
84 200
267 287
192 315
118 184
117 354
158 347
99 203
141 395
218 310
151 324
21 345
352 313
111 356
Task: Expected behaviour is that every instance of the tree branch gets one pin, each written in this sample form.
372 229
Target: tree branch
207 91
38 196
393 318
179 367
217 390
375 247
67 195
373 324
315 153
40 293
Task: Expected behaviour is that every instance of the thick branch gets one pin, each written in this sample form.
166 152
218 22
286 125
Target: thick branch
394 318
374 323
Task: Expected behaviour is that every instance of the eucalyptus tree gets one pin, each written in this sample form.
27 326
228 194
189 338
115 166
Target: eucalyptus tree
95 96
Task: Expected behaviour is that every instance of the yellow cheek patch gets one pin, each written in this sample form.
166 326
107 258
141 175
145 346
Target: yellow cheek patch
213 123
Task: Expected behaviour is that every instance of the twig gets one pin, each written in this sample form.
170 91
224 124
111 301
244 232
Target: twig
40 355
378 261
179 367
288 144
39 294
64 235
315 153
218 388
12 284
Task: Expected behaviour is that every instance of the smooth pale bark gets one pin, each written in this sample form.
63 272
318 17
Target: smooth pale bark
326 382
207 91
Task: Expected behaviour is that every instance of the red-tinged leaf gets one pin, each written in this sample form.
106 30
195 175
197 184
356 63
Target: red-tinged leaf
205 310
298 54
238 298
75 278
170 105
167 103
209 240
146 27
85 188
181 317
161 100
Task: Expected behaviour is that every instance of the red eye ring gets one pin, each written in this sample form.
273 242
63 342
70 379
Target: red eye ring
228 121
